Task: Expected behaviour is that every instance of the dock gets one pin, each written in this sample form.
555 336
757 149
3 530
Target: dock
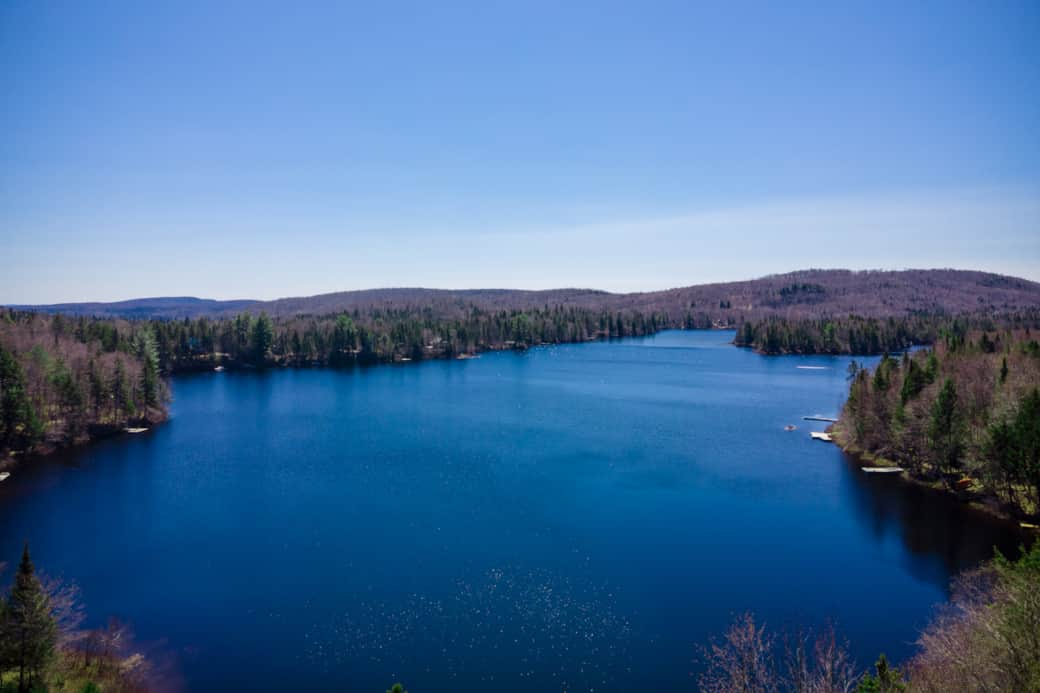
883 470
825 437
817 417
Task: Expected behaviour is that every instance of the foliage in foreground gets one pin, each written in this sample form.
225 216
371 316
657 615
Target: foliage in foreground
43 648
986 639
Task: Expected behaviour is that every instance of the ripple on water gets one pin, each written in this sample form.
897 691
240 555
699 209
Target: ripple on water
532 625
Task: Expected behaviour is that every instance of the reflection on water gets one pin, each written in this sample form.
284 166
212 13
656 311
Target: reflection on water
942 536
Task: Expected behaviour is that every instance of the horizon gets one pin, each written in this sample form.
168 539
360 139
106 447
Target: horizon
593 289
249 150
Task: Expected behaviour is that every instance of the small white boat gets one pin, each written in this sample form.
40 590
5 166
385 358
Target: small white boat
825 437
814 368
135 430
4 475
219 369
882 470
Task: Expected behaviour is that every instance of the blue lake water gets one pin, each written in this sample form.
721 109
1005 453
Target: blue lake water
578 517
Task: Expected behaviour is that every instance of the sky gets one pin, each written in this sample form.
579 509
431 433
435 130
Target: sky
266 149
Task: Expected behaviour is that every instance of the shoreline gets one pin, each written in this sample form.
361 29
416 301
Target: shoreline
95 433
10 462
988 505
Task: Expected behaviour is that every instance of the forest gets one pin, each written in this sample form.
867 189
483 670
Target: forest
64 382
964 414
804 294
860 335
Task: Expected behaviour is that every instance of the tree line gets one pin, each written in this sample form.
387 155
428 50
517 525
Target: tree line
965 413
861 335
985 639
64 379
381 335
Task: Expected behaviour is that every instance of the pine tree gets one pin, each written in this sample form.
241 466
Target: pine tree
886 679
122 398
262 338
916 379
149 353
1026 433
28 633
946 430
20 425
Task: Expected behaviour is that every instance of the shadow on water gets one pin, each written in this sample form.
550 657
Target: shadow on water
942 535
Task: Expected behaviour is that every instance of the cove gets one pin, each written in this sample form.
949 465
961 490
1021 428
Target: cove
578 517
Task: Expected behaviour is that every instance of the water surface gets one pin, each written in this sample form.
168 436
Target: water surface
578 517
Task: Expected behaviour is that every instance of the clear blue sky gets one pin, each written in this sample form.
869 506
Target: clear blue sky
261 149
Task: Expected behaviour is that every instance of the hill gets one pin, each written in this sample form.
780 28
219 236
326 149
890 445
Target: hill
143 308
796 295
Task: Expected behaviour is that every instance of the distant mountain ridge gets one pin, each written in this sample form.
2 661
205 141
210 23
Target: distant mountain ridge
164 307
801 294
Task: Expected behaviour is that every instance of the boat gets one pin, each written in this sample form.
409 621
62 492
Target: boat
4 475
820 417
135 430
825 437
219 369
882 470
790 427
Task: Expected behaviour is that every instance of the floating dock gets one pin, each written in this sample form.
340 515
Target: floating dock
825 437
817 417
883 470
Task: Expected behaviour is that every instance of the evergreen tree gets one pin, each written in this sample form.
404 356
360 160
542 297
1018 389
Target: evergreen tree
20 425
1026 435
122 398
946 429
1003 370
29 632
262 338
932 368
149 354
886 679
915 380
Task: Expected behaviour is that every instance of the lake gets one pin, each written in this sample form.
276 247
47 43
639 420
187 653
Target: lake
578 517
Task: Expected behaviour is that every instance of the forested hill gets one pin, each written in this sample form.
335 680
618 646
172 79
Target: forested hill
803 294
162 308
